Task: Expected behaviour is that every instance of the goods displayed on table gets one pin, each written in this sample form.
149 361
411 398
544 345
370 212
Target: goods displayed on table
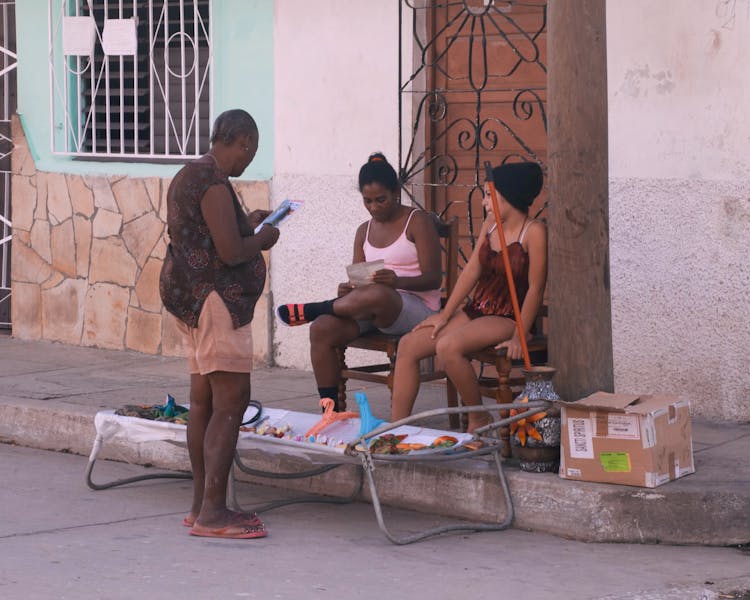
390 443
339 430
330 432
170 411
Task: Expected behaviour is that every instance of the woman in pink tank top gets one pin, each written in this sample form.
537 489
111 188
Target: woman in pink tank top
402 257
398 297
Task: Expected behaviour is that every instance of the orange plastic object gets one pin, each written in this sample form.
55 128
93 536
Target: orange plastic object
329 416
506 264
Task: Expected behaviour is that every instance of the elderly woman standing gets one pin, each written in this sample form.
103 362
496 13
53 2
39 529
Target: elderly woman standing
212 277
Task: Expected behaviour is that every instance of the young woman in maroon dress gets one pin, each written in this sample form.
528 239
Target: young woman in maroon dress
487 318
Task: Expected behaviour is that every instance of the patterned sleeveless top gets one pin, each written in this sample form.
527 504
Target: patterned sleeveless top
192 269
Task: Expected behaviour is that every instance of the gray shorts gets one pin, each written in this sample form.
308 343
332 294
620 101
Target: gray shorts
413 311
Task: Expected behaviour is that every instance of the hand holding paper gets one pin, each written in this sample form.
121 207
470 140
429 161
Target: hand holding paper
361 273
282 213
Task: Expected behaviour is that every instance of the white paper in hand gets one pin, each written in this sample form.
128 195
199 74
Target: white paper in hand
361 273
282 213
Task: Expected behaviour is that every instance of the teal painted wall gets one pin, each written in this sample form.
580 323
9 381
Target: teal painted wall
243 78
243 70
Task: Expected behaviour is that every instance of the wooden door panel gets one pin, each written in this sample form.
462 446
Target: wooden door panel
494 101
509 57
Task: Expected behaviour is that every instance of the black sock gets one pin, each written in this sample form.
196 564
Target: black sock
314 309
332 393
310 310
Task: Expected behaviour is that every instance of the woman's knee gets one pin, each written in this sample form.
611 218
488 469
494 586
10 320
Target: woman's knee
377 297
322 328
449 348
328 330
230 391
412 347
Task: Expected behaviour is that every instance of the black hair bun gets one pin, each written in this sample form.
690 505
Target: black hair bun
377 157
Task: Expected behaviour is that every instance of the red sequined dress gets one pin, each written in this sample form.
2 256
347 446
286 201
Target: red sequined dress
491 295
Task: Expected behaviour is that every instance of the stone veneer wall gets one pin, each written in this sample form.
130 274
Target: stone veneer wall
86 256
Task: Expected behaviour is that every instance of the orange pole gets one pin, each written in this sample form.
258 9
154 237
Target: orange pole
506 264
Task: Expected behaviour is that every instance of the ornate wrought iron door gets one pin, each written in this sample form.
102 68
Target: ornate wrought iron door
473 84
7 108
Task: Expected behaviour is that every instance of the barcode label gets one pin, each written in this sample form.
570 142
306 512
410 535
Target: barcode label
579 435
623 427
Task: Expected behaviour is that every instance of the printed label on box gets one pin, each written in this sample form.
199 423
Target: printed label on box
623 427
615 462
579 435
574 472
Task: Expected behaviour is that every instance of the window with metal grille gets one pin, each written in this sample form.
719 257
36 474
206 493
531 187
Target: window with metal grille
130 78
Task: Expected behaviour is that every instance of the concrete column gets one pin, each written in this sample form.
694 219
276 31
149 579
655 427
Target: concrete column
580 323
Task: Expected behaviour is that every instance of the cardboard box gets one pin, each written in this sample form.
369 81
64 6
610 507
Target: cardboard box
631 440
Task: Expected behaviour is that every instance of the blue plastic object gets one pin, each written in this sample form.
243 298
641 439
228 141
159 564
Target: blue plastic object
367 421
169 407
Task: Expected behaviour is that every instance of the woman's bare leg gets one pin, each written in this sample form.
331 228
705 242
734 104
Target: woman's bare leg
198 417
453 349
230 394
378 303
326 334
412 348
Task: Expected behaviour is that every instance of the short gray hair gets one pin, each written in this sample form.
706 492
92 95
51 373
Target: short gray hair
233 124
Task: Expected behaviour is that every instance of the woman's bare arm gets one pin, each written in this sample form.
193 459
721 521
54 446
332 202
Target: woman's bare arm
232 247
423 233
358 255
536 246
466 282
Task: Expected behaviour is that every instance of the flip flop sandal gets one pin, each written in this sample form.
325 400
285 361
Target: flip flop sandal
242 518
295 312
237 531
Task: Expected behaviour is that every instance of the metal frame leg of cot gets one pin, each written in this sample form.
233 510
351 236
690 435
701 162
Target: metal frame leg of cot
98 442
299 475
493 446
368 467
231 483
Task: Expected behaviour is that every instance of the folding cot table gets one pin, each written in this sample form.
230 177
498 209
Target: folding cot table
344 444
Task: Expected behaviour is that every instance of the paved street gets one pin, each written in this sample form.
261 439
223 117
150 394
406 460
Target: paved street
60 540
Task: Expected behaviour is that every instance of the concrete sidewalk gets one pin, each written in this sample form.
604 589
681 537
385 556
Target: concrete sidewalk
49 394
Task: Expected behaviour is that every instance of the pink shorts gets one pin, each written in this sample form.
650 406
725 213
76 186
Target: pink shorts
215 345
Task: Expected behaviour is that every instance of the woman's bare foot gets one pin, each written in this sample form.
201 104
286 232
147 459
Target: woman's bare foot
239 517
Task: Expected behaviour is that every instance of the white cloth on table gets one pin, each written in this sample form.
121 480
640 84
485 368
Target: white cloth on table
112 427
